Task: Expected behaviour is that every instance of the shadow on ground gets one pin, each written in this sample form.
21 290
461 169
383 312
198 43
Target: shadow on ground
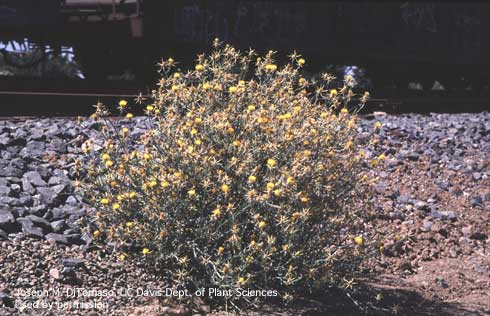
377 300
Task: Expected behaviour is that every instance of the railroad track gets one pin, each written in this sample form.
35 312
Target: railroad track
72 100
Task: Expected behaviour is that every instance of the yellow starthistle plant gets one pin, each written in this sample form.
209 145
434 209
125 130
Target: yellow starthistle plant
248 174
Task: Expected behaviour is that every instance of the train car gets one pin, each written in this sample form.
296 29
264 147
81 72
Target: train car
397 42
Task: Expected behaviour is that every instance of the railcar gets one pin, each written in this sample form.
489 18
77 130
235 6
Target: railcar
397 42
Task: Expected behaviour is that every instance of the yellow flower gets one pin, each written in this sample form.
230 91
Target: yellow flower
344 110
116 206
225 188
199 67
217 212
191 192
123 103
382 157
165 184
104 201
262 120
377 125
96 233
145 251
129 115
233 89
197 120
241 280
146 156
170 60
130 224
277 192
175 87
285 116
359 240
125 130
230 130
193 131
333 92
271 162
153 184
106 157
221 249
304 199
109 163
262 224
122 257
236 143
290 180
348 144
132 195
297 108
176 75
198 142
252 179
301 61
149 108
271 67
251 107
206 86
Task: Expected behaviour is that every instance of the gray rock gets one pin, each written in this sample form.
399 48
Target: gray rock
58 188
444 215
54 180
37 210
477 201
4 191
27 186
26 200
72 263
72 201
11 201
40 222
58 226
6 219
57 145
476 176
57 238
15 168
48 196
421 205
29 228
33 149
35 179
403 199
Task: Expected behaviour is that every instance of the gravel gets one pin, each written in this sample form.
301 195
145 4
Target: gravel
433 187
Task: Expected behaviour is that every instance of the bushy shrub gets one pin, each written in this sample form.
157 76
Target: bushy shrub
247 176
